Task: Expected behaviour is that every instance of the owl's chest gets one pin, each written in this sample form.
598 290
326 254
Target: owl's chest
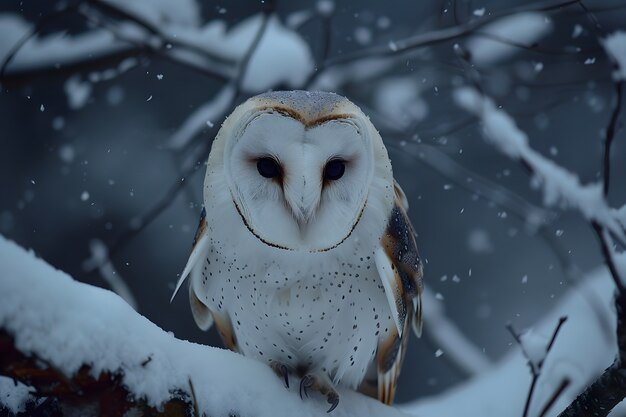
327 315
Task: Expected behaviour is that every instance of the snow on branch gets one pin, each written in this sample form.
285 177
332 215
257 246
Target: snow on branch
447 34
559 186
86 346
615 46
122 32
499 392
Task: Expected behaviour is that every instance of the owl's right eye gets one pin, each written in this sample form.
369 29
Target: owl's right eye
268 167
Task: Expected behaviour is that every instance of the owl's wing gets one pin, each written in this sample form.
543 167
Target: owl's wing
203 316
200 244
400 270
201 313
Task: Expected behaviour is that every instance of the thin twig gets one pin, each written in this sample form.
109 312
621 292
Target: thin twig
555 333
244 63
111 9
46 20
200 60
555 396
447 34
326 19
609 133
207 68
532 47
535 369
143 221
609 136
607 254
168 198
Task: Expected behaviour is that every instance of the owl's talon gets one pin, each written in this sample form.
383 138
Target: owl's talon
305 383
282 371
333 400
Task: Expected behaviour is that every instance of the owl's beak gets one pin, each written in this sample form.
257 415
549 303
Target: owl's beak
303 197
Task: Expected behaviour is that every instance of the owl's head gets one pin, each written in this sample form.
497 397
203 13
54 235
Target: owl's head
300 166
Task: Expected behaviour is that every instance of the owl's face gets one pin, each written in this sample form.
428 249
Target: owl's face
298 186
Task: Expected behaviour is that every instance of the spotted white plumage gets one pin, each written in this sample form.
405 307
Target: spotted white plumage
304 257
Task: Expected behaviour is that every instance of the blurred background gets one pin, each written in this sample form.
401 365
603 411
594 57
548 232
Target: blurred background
108 110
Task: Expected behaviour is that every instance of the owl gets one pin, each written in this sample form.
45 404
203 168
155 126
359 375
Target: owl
304 257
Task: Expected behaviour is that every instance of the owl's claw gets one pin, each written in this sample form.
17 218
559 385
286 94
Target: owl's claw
305 383
282 371
322 386
333 400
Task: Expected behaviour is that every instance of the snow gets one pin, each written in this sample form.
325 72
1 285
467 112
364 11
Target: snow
77 92
68 323
13 395
479 241
523 28
479 12
279 44
534 345
100 260
180 12
296 19
398 99
211 111
581 352
355 72
176 22
55 48
615 47
446 335
559 186
325 7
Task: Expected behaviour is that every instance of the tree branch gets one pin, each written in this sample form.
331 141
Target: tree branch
447 34
90 352
82 391
561 186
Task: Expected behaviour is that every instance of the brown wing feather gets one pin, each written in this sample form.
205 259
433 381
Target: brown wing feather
389 361
401 252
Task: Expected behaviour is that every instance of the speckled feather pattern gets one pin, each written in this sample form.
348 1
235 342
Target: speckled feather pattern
324 316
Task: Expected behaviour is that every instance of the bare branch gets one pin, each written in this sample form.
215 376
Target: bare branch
138 224
156 43
609 135
447 34
535 368
46 20
555 396
599 398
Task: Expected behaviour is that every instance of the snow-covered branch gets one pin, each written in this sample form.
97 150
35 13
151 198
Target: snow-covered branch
559 186
562 188
83 336
86 337
448 34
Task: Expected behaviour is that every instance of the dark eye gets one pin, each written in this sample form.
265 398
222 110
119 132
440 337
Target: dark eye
334 169
268 167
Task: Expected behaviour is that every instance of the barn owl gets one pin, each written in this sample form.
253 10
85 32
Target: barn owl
304 257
